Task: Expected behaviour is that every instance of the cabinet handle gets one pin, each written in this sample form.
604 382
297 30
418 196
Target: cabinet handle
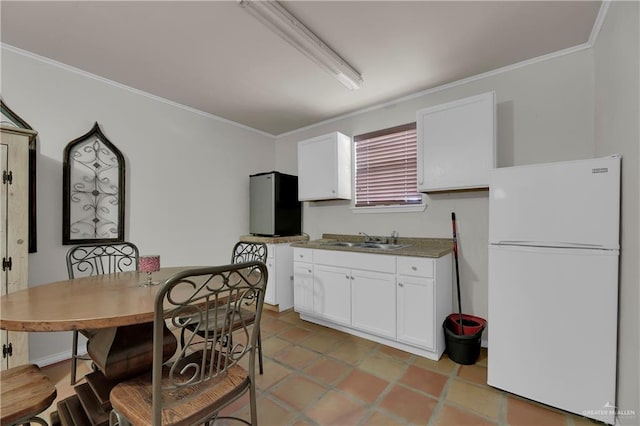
414 268
309 270
352 278
347 276
400 285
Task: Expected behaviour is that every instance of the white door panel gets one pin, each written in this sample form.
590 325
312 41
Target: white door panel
553 325
574 202
332 293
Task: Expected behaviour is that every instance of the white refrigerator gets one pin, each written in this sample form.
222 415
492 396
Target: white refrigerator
553 283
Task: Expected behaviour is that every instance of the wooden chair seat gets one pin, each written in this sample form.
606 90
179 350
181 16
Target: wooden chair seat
187 406
26 392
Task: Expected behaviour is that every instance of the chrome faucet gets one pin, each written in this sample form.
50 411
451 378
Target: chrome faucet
368 238
394 237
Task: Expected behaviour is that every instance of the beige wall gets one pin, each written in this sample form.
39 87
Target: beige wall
617 112
187 173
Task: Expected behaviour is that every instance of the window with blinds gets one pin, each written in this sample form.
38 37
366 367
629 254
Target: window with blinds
386 164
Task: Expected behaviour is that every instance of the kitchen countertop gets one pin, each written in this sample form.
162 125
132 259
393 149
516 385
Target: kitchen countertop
273 240
418 247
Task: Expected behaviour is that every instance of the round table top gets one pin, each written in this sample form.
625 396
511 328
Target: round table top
99 301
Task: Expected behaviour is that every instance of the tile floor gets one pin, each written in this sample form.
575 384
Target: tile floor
318 376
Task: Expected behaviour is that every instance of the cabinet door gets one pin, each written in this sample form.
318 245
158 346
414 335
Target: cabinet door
456 144
14 203
283 264
416 316
272 283
303 287
373 302
332 293
324 168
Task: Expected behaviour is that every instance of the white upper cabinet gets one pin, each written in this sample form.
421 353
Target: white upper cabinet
456 144
324 168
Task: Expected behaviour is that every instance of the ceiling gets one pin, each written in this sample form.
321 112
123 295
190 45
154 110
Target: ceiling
215 57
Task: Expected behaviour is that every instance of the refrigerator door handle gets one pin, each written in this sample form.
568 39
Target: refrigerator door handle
551 244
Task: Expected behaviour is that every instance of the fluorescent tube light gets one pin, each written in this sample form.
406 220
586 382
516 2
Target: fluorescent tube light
287 26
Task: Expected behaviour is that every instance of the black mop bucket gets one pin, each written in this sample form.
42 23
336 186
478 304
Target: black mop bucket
463 348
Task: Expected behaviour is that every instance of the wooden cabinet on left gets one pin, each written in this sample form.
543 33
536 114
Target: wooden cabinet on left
14 231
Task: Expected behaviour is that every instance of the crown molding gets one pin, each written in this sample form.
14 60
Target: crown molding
597 25
121 86
595 31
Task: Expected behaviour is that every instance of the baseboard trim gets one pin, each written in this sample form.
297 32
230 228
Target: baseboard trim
55 358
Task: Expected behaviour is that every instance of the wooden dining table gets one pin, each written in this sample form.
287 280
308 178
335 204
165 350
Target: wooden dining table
117 308
96 302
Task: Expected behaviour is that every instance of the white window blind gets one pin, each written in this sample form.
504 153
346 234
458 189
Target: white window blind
386 164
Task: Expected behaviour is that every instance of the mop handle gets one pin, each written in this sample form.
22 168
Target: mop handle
455 237
455 253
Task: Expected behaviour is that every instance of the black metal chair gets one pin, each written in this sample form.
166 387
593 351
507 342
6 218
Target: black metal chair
204 375
96 259
245 252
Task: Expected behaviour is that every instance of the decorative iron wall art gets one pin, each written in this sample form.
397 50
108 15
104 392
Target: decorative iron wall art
11 119
93 190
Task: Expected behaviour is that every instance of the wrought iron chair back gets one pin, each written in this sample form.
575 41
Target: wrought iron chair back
204 375
97 259
247 252
103 258
242 252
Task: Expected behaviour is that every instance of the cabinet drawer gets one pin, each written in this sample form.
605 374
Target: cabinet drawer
415 266
363 261
302 254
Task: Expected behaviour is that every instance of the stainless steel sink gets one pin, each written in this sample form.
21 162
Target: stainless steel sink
378 246
383 246
342 244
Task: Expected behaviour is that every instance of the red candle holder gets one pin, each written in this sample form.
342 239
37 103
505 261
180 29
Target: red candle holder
149 264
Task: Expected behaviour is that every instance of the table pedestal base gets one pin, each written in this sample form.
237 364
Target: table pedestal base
119 353
124 352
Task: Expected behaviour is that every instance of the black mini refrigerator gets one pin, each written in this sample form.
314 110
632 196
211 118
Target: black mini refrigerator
274 206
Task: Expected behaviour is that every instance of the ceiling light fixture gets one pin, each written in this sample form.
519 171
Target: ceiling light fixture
287 26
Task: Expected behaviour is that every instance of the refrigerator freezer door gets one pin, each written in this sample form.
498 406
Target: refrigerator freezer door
553 327
562 204
262 204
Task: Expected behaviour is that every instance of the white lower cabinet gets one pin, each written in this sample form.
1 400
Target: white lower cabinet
270 293
424 301
373 307
332 293
416 316
302 281
280 284
399 301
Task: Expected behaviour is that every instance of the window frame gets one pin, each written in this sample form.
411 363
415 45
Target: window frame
384 208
